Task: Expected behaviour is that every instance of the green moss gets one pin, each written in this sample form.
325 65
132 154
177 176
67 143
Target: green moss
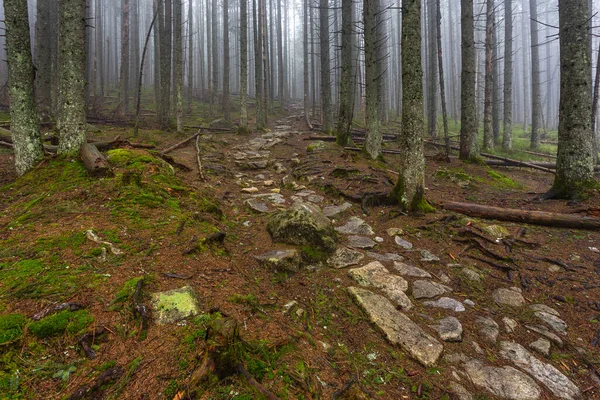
11 327
64 321
129 158
418 204
125 293
503 180
312 254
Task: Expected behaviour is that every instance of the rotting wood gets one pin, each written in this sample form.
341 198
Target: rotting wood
87 340
524 216
94 161
180 144
139 308
109 375
56 308
512 163
198 159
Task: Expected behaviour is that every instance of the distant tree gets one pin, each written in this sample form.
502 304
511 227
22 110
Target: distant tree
25 126
468 130
575 163
536 96
410 188
71 121
243 127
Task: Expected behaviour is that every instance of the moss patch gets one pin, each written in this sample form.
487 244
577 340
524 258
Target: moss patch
11 327
64 321
503 180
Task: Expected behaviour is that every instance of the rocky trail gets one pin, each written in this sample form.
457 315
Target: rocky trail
377 304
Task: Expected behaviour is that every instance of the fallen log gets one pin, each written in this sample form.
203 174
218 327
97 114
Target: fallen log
94 161
540 154
207 128
549 165
182 143
530 217
384 151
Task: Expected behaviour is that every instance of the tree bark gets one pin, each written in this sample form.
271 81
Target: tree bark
71 119
438 11
346 80
536 106
281 65
166 21
508 75
93 161
575 163
124 74
244 66
178 61
432 82
488 134
258 73
43 38
372 117
306 65
468 131
496 96
409 191
226 101
25 127
157 57
215 54
326 111
190 57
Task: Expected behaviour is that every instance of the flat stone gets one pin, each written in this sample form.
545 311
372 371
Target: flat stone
397 327
446 302
552 321
469 302
303 224
427 256
253 164
275 198
427 289
385 256
509 324
450 329
257 205
355 226
174 305
280 260
315 198
504 382
488 329
334 211
361 242
542 330
508 297
405 244
444 278
394 231
408 270
544 308
376 275
250 190
549 376
471 275
542 346
345 257
459 391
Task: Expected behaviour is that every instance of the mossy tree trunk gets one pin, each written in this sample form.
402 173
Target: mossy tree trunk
347 78
372 117
71 120
575 163
409 190
178 62
25 127
468 131
508 75
243 66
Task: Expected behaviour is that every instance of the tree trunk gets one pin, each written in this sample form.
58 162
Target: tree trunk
226 101
306 64
165 63
209 55
468 131
93 161
438 11
326 110
496 97
244 66
372 118
43 39
215 54
536 106
432 92
124 74
346 82
280 68
178 61
157 57
25 126
258 73
488 134
134 35
410 188
71 119
574 164
508 75
190 57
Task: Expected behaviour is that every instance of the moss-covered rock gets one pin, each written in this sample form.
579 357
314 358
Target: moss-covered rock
71 322
280 260
175 305
303 224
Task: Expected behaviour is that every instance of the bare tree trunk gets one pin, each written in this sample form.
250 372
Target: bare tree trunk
226 101
326 110
373 128
190 57
306 64
508 75
99 23
468 132
124 74
134 35
526 52
215 54
347 83
209 54
438 11
165 64
432 91
265 59
574 164
25 126
244 66
496 97
43 64
536 106
178 61
71 119
157 57
410 188
488 134
281 68
258 73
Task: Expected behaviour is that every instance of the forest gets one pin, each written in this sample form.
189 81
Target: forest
299 199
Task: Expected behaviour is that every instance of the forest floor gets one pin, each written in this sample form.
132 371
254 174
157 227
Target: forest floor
299 335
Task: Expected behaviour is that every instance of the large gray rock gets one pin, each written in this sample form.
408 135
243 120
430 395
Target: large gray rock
174 305
542 346
409 270
542 330
376 275
450 329
405 244
549 376
361 242
385 256
488 329
509 297
280 260
345 257
303 224
552 321
397 327
335 210
460 391
447 303
503 382
428 289
355 226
